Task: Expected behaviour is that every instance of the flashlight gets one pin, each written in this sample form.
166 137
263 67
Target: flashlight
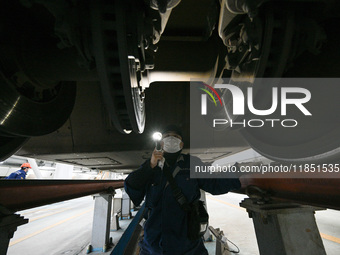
157 137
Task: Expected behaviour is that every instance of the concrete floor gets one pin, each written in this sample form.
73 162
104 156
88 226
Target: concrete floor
225 213
60 228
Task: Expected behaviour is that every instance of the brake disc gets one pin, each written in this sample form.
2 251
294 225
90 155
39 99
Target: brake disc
120 62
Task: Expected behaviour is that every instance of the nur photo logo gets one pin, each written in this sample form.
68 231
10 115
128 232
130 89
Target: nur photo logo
204 98
244 102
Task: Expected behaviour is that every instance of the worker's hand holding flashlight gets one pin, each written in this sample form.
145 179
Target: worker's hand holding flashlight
157 155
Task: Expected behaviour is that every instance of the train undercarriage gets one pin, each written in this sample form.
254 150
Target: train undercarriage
82 79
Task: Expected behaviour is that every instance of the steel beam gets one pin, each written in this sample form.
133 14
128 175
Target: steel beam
18 195
23 194
308 189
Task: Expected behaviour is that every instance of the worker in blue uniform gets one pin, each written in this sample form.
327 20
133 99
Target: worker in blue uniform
20 174
165 228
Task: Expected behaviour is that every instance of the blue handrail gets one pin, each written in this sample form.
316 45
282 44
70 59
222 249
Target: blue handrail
128 233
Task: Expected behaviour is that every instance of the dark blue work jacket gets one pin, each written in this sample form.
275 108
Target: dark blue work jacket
20 174
165 229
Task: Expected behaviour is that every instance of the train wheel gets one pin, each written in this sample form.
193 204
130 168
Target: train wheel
9 145
315 139
27 110
119 63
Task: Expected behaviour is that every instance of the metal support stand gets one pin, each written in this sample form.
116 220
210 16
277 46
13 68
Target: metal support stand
115 222
8 225
35 168
221 242
285 229
116 209
100 240
126 206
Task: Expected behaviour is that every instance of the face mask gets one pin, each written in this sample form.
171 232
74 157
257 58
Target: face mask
171 144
